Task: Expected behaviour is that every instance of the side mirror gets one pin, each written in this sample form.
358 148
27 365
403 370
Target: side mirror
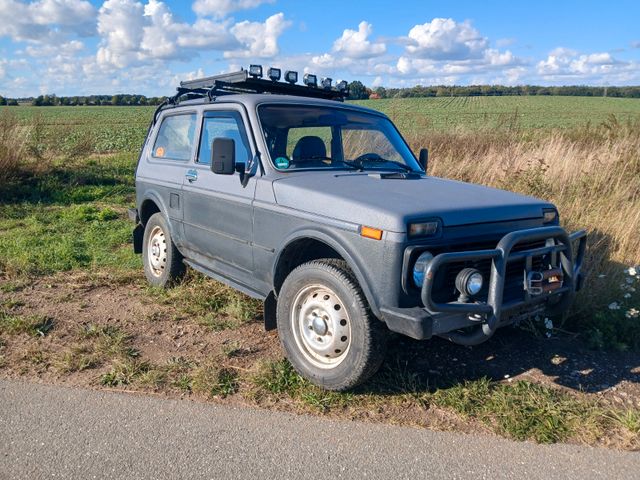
424 158
223 156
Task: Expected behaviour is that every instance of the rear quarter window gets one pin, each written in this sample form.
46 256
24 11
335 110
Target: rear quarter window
175 137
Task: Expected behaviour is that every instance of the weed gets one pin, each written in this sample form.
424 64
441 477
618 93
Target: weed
629 419
215 381
79 358
34 325
124 373
279 377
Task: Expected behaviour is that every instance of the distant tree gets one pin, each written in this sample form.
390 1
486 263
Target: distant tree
357 91
12 102
3 101
381 92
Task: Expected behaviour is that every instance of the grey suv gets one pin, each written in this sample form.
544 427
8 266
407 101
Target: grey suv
320 209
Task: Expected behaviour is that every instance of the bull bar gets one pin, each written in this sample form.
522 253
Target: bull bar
494 308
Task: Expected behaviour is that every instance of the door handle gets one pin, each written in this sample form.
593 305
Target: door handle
191 175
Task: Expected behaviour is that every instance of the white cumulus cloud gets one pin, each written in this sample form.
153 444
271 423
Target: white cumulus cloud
46 20
258 39
355 43
446 39
222 8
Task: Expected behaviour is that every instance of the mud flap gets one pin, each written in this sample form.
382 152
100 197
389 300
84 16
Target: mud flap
138 235
270 303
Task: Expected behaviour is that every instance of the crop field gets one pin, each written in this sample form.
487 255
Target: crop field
526 113
75 308
109 129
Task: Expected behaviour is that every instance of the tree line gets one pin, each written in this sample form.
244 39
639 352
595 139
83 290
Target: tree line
8 101
357 91
120 99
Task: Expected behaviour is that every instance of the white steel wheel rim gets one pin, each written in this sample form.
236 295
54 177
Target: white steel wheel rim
157 251
321 326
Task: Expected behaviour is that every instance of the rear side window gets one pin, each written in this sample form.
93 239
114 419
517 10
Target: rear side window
223 125
175 138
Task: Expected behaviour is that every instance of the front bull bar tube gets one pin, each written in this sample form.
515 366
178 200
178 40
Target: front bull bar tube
500 256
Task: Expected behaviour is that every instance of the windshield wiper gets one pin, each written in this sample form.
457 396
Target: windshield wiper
404 167
375 158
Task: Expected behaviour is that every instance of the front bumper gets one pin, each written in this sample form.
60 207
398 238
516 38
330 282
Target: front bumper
446 319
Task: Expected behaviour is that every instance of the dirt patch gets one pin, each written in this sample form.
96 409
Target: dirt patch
107 327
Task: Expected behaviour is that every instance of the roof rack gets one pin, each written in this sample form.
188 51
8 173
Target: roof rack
251 81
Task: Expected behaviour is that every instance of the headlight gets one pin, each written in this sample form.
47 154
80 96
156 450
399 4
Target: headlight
423 229
549 215
469 282
420 267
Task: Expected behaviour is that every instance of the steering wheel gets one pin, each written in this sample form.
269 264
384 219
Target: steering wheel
367 156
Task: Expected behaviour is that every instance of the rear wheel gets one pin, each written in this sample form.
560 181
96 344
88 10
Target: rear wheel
325 327
162 261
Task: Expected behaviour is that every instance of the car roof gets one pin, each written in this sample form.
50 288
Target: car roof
252 100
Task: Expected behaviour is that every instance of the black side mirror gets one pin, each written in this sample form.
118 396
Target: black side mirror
223 156
424 158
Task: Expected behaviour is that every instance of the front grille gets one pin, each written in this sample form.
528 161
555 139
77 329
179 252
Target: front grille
444 285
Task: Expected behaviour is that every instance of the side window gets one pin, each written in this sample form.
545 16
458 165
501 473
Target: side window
175 138
223 125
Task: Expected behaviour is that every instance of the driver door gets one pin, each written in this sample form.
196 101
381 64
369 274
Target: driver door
218 210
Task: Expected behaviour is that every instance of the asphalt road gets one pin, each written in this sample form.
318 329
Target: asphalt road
58 432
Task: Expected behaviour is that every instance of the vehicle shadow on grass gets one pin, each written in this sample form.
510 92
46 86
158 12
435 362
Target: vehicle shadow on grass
511 354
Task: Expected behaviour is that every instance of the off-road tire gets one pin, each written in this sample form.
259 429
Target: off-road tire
165 268
367 345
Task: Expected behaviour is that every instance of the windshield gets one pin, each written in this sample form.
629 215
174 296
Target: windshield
316 137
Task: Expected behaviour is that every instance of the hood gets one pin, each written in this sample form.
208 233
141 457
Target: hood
390 203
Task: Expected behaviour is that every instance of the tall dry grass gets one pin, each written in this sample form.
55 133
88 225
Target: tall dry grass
13 146
592 174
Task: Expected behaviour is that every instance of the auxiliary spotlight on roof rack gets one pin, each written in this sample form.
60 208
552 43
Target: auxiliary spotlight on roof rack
251 81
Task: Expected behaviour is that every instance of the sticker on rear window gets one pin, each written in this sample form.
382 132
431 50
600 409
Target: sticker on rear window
160 152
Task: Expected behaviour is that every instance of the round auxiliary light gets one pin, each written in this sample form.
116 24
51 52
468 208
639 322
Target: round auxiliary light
469 281
420 267
326 83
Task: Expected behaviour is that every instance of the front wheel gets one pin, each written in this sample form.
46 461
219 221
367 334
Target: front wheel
162 261
325 326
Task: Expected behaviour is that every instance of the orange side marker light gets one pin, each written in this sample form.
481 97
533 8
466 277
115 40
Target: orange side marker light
370 232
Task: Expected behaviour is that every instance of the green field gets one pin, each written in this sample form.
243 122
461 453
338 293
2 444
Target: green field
106 129
495 112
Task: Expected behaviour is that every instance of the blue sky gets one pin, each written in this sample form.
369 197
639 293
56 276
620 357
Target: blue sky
78 47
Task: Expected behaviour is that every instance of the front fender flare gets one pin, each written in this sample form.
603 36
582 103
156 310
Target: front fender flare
329 239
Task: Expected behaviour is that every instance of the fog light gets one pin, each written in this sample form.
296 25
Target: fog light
326 83
342 85
255 71
291 76
420 267
310 80
469 282
274 74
